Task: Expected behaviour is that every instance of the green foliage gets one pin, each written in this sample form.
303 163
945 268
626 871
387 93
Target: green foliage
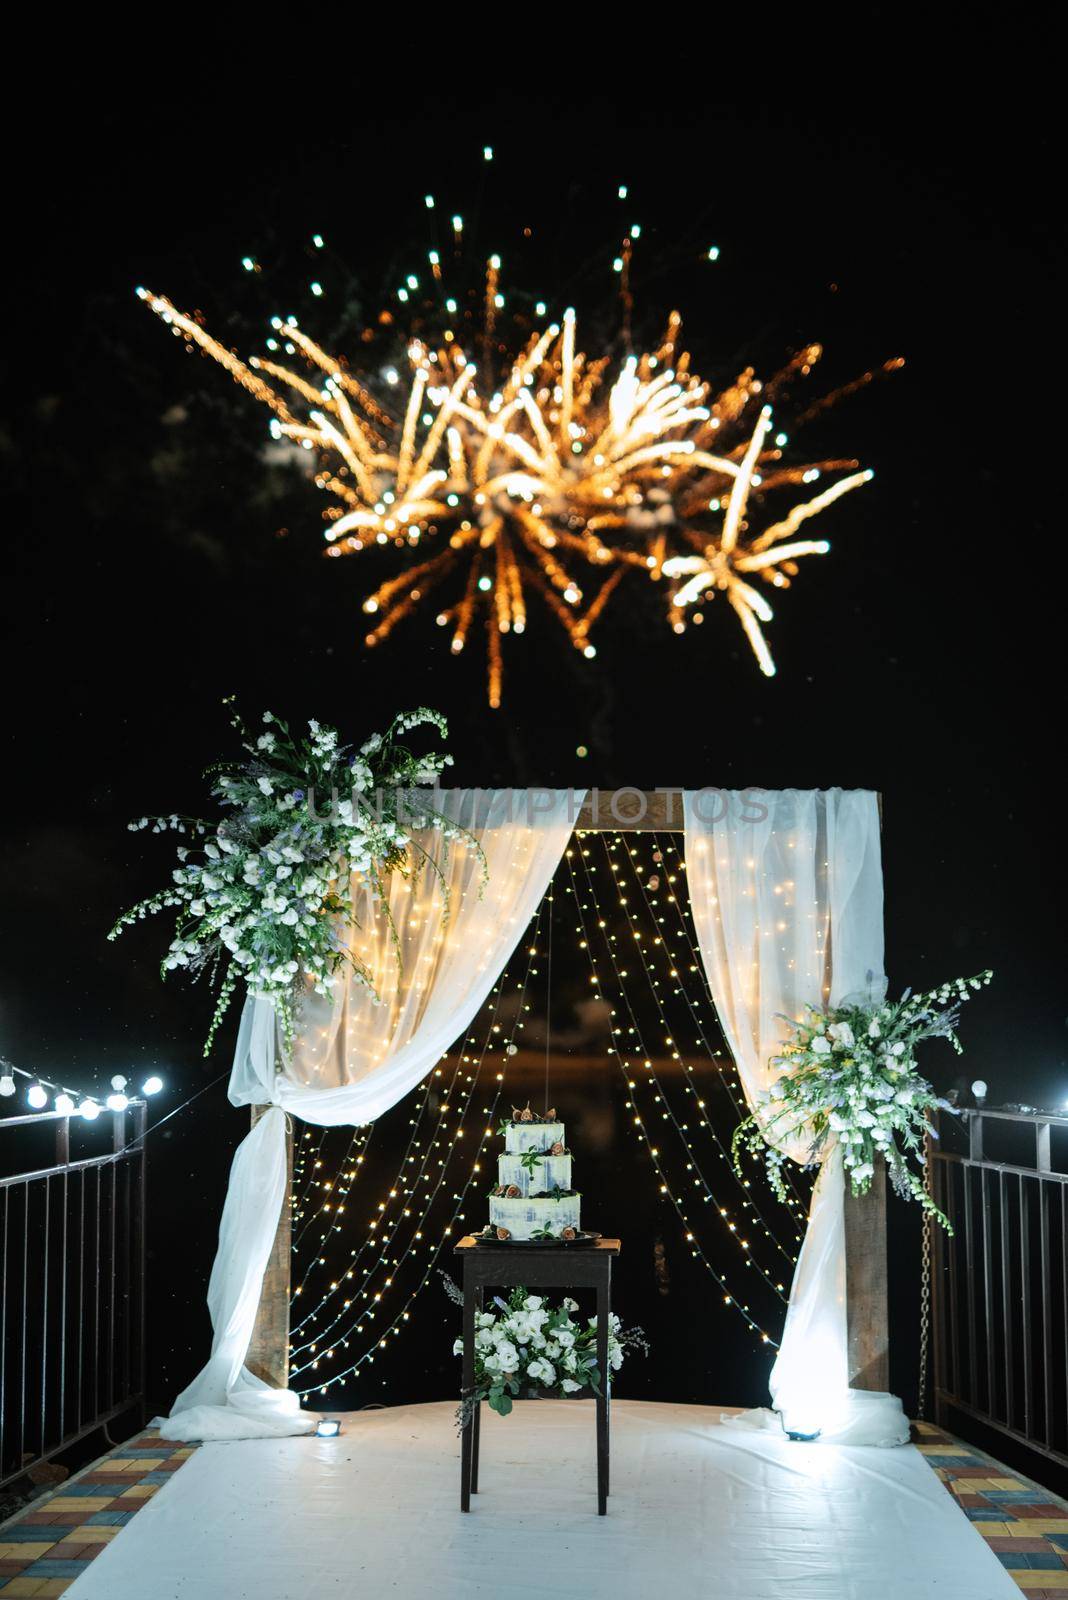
849 1074
525 1343
266 893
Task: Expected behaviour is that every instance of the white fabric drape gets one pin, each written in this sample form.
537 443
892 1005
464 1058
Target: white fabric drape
358 1053
787 897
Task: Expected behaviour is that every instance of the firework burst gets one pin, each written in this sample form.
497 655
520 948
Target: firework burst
551 483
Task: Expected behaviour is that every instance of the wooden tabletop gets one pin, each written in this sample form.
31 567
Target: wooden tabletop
469 1242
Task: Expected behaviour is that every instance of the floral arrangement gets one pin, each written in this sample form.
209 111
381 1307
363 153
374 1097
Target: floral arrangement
266 893
527 1347
850 1074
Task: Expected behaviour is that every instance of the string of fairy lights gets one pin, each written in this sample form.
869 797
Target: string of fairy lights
648 884
614 848
621 1056
540 473
403 1187
666 847
43 1094
436 1243
360 1310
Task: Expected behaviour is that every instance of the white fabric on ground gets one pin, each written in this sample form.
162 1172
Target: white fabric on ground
786 888
695 1509
359 1053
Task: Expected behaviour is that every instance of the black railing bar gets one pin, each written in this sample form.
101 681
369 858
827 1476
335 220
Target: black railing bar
1047 1118
1025 1301
3 1335
1064 1290
1047 1313
969 1289
1002 1166
952 1297
74 1438
24 1342
96 1297
44 1313
988 1294
72 1166
81 1292
141 1246
949 1399
112 1264
1006 1300
63 1305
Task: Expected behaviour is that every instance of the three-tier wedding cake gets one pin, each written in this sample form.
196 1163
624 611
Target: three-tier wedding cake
533 1197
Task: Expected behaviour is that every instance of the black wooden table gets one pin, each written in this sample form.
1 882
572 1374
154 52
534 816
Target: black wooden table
505 1266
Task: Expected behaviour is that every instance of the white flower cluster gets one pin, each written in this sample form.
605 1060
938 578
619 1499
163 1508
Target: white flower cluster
528 1344
269 889
850 1075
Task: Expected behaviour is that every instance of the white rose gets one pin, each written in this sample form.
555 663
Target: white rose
568 1385
842 1034
820 1045
458 1347
508 1356
265 785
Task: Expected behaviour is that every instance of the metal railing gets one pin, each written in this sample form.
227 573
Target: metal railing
72 1285
1000 1284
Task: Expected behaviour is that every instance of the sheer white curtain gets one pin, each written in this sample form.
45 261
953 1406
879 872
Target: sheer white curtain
357 1055
787 895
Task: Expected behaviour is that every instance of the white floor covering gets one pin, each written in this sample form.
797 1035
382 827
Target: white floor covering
696 1510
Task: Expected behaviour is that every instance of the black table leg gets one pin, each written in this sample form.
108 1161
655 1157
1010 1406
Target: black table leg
476 1420
603 1301
467 1433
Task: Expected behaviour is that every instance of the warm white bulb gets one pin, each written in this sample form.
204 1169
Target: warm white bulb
118 1081
117 1102
979 1089
64 1104
89 1110
152 1085
7 1084
37 1096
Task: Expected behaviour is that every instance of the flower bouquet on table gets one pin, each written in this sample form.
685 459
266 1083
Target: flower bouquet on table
528 1348
267 892
849 1073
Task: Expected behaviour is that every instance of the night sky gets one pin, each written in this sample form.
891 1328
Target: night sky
154 562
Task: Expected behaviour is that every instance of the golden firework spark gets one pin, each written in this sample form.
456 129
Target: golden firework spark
554 482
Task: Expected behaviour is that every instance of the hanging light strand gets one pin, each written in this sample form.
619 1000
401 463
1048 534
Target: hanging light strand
696 1250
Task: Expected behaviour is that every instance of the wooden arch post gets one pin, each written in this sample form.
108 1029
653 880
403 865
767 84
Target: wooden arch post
631 811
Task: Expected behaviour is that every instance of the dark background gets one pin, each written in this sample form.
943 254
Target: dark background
153 562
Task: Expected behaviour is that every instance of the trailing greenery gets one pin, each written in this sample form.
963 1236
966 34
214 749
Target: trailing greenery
849 1073
266 893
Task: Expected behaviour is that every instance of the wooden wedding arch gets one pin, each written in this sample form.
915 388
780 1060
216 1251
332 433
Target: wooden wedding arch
636 811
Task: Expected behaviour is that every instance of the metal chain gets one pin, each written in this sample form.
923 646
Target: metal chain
925 1290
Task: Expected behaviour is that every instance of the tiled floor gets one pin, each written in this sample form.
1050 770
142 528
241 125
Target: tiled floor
45 1548
1024 1525
49 1543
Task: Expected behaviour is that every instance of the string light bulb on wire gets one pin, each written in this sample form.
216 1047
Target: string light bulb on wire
66 1101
